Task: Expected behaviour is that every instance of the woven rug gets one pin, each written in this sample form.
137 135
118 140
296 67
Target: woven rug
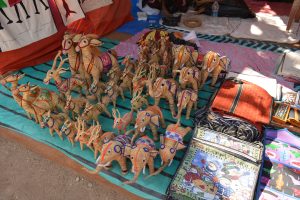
13 116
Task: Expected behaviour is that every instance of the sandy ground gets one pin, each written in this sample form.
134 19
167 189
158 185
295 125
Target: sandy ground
26 175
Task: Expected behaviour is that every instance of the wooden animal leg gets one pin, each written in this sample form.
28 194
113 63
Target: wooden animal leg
51 131
28 115
59 133
156 101
162 122
154 132
214 79
122 163
171 104
96 152
81 146
91 148
188 110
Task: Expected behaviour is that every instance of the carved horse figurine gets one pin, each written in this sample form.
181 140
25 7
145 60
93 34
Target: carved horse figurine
91 112
97 140
75 59
68 128
112 92
138 101
94 61
54 122
121 123
75 105
64 86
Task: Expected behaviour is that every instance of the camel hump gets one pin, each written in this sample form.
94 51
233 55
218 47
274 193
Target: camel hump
156 110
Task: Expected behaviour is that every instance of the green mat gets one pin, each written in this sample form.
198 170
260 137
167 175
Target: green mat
13 116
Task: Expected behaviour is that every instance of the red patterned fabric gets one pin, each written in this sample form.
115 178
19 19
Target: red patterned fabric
245 100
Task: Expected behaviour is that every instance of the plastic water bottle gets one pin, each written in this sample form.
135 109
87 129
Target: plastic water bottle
215 8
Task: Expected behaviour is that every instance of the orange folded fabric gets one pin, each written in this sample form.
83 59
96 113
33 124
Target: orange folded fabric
244 100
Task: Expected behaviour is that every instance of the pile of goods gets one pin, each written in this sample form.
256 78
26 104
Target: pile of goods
163 71
224 158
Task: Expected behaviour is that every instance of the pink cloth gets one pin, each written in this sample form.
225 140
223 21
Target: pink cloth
241 57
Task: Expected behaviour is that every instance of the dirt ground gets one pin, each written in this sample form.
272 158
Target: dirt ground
26 175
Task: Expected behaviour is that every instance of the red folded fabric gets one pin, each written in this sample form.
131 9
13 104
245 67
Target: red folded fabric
245 100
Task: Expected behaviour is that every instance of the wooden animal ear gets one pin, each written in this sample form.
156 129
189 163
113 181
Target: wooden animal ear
20 76
225 63
63 70
34 87
180 146
95 42
155 119
77 37
153 153
162 139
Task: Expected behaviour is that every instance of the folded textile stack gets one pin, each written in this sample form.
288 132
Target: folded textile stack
280 177
289 66
217 166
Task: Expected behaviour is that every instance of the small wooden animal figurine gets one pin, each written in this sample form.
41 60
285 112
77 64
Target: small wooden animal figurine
121 123
97 140
96 91
113 150
169 144
37 109
112 92
130 65
163 88
91 112
138 101
213 64
64 86
75 59
115 74
139 80
126 79
141 153
54 122
75 105
94 61
14 79
189 76
68 128
151 116
186 99
83 134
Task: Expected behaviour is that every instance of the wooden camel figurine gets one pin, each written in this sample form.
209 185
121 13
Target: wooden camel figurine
45 100
94 61
75 59
64 86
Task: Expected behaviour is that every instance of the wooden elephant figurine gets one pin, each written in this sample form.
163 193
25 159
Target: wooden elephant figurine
189 76
213 64
113 150
163 88
141 153
186 99
170 143
151 116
